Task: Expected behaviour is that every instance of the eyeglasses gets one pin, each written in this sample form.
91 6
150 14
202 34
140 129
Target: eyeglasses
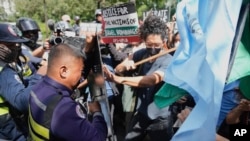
155 45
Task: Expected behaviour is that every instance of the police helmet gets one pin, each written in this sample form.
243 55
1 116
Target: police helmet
77 18
63 26
10 33
27 24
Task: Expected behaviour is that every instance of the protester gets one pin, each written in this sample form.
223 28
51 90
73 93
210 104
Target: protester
14 89
128 98
98 16
230 99
148 119
65 65
173 39
184 114
239 113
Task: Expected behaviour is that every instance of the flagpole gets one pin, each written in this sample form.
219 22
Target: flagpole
155 56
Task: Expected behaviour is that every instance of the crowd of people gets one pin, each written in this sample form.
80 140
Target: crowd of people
39 93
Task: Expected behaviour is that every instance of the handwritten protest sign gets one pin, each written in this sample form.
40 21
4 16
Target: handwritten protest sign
90 28
121 24
163 14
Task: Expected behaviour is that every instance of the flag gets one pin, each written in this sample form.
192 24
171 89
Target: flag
240 61
167 95
200 64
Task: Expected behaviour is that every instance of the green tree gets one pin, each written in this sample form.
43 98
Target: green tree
39 10
56 8
2 14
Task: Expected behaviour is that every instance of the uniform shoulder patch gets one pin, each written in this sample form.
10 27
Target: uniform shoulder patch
80 112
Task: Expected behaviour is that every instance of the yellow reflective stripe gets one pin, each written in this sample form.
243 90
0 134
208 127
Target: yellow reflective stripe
33 136
27 71
38 129
1 68
1 100
4 109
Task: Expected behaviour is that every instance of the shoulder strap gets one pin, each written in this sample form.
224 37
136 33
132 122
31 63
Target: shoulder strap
53 101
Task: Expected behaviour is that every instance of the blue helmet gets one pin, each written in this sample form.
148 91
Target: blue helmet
10 33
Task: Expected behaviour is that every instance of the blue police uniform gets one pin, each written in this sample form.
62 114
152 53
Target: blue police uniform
66 121
14 92
28 53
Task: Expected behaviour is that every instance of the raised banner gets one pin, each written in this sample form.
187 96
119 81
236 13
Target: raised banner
163 14
121 24
90 28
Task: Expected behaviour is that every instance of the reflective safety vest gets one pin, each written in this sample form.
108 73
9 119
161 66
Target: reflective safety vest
3 107
37 131
41 131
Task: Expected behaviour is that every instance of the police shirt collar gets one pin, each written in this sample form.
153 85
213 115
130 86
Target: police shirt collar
56 85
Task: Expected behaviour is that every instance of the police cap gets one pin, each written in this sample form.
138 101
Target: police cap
10 33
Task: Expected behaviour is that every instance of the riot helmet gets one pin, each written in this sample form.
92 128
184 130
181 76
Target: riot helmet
77 18
27 24
30 30
64 28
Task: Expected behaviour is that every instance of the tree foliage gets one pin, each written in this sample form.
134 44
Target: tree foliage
42 10
54 9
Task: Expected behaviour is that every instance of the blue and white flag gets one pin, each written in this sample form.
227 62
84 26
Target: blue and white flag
199 66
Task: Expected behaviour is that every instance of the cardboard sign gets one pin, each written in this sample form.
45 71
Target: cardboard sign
163 14
121 24
90 29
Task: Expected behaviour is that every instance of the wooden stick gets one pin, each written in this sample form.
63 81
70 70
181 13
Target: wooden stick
155 56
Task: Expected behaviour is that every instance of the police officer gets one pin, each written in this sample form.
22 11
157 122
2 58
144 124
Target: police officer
31 50
76 26
147 119
53 114
14 90
29 29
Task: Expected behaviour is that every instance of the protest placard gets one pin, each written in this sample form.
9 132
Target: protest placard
163 14
90 29
121 24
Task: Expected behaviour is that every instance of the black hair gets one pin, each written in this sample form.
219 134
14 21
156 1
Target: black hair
60 50
153 25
